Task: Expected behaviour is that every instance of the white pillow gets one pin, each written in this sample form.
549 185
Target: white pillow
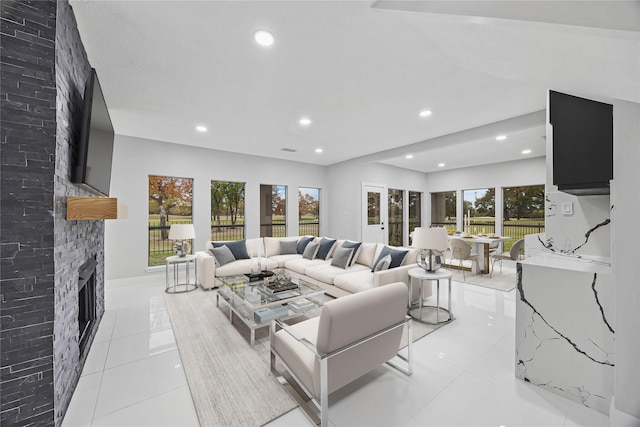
383 263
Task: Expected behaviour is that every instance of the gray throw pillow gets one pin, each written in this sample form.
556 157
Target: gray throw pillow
223 255
357 247
341 257
288 247
382 264
310 251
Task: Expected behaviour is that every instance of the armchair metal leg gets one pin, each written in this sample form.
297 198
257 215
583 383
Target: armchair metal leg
324 395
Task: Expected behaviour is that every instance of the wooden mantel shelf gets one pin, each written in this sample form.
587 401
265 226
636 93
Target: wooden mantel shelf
88 208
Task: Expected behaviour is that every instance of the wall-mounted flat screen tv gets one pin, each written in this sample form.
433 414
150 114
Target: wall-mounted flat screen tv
95 147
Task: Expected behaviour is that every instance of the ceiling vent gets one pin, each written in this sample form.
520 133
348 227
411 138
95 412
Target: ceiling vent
288 150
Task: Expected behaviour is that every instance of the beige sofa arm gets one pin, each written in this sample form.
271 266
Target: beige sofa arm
206 269
398 274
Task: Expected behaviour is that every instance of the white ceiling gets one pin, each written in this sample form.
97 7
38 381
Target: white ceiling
361 71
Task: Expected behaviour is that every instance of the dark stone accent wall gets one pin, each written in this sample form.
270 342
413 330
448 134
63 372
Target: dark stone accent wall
74 241
43 66
27 156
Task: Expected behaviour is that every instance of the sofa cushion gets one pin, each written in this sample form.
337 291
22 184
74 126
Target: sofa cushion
353 282
367 254
325 248
240 266
357 248
272 244
238 248
310 251
327 273
223 255
303 242
288 247
397 256
342 257
300 265
281 259
383 263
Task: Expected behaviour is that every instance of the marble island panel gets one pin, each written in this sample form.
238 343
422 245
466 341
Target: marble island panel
564 327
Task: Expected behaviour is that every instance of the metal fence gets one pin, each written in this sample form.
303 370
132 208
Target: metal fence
276 228
160 246
309 228
518 230
224 232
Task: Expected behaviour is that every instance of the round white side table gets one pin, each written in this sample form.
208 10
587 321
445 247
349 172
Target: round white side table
176 286
423 276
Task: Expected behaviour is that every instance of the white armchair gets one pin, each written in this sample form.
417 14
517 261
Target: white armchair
352 336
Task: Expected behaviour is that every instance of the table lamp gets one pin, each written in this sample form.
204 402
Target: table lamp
432 242
182 233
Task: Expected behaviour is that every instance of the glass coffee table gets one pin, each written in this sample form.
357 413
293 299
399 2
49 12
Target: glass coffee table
256 304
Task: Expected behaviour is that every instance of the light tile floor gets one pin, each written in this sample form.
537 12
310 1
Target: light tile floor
463 372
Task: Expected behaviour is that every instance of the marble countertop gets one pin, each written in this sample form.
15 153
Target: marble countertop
588 264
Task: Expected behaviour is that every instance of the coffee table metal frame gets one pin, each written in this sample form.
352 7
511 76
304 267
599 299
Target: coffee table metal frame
244 298
423 275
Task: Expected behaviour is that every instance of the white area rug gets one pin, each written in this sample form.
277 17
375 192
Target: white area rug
505 281
230 382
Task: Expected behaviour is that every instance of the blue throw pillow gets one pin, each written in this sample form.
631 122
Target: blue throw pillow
237 248
325 247
397 256
302 244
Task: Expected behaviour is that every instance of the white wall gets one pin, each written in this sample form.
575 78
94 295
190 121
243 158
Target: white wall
626 262
345 197
498 175
134 159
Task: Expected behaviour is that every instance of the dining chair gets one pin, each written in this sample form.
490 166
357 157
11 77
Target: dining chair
513 254
461 251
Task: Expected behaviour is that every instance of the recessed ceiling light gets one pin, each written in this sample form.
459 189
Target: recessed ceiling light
441 165
425 113
501 137
526 151
263 38
318 150
409 156
201 128
305 121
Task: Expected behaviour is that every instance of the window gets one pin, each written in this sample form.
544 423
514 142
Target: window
273 210
309 211
415 210
443 210
170 202
373 208
479 210
227 210
396 220
522 212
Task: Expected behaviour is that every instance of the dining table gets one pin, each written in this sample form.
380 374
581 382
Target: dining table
480 245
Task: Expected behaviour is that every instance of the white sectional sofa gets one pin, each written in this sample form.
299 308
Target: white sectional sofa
337 281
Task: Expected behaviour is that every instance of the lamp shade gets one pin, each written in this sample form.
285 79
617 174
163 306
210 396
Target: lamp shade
430 238
182 232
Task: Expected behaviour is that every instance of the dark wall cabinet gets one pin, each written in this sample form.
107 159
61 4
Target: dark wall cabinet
582 144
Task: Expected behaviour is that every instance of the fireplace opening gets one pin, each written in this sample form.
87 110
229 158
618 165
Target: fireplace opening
86 301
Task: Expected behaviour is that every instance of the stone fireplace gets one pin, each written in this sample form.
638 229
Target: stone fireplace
52 293
86 302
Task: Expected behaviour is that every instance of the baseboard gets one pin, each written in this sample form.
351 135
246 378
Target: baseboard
621 419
